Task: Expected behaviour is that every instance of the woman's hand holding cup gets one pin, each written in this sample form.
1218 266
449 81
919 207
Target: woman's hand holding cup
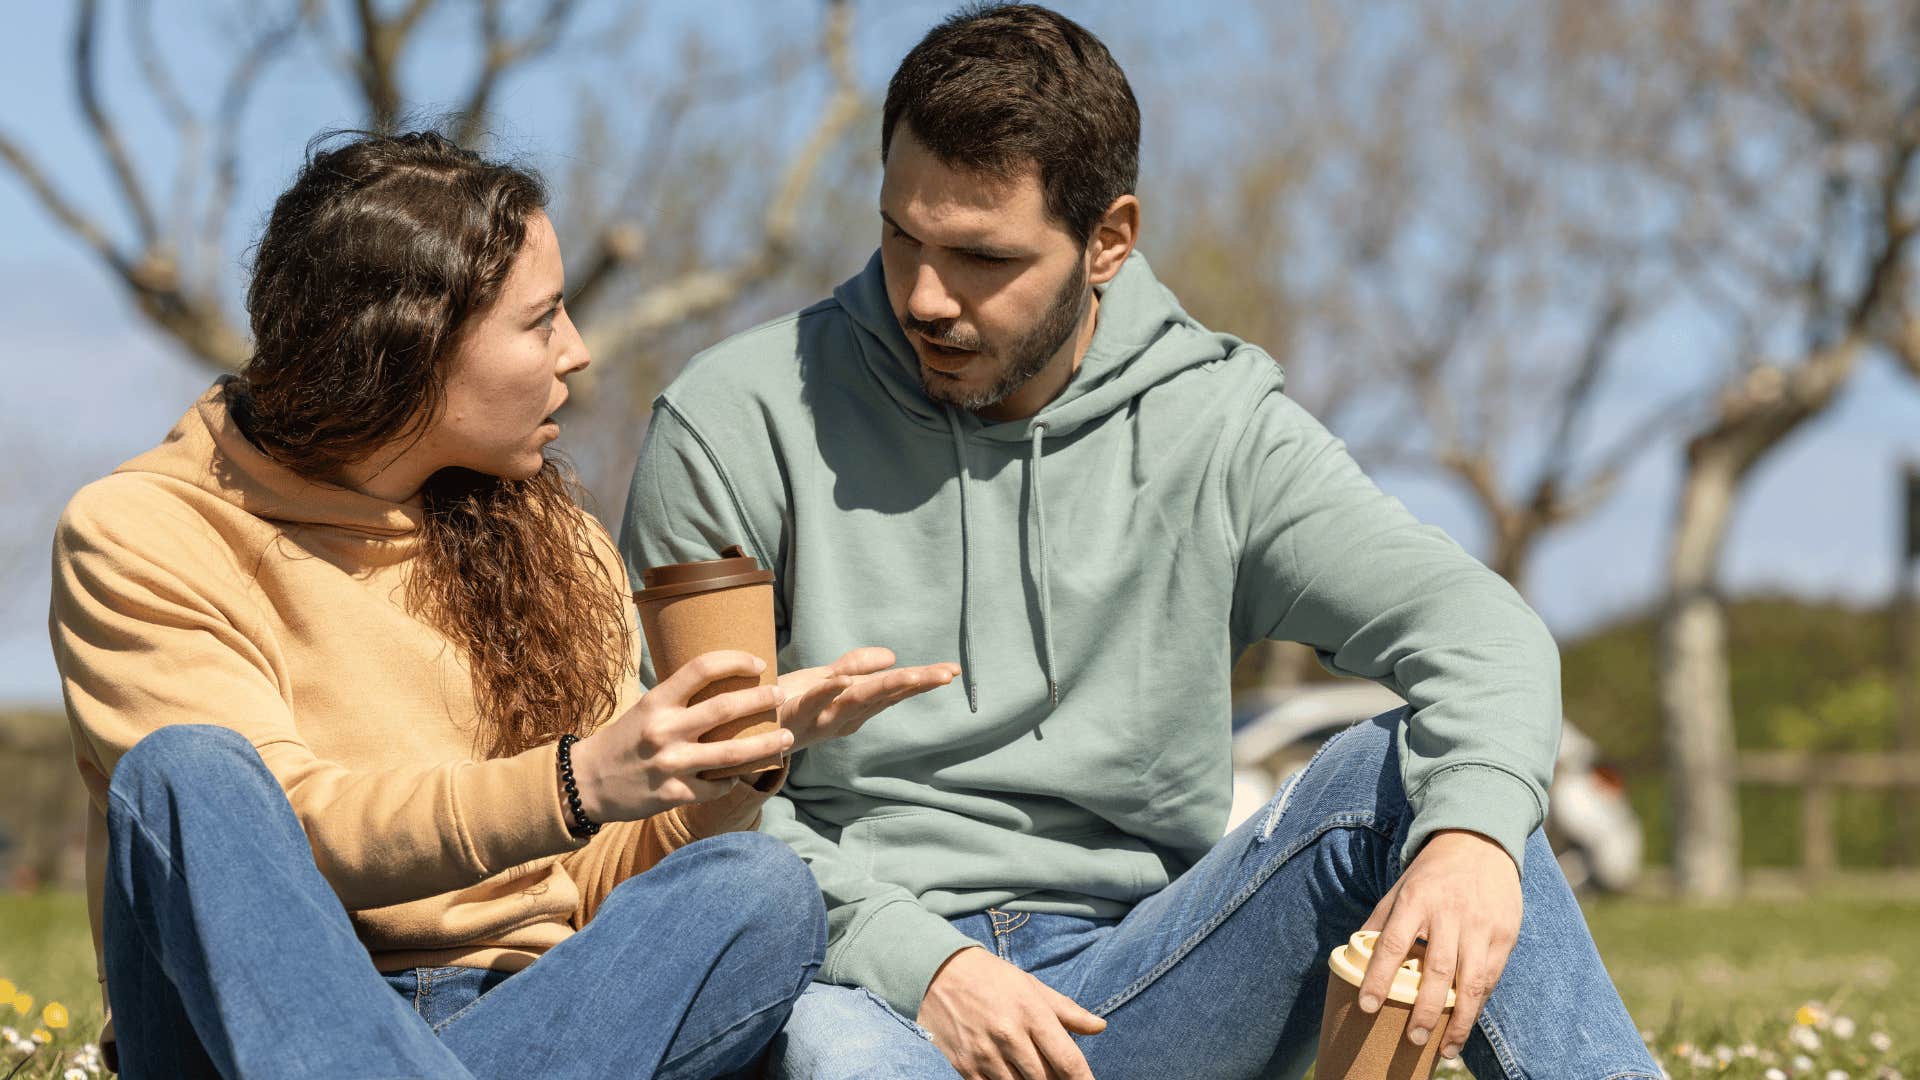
835 699
650 758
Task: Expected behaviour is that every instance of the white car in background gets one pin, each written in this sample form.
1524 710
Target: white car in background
1592 827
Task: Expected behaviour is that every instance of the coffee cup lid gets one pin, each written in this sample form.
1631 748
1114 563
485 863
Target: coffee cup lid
734 567
1349 962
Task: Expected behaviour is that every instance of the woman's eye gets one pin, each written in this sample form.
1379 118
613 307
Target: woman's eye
545 325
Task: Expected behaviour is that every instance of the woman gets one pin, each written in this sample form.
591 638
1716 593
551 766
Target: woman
352 681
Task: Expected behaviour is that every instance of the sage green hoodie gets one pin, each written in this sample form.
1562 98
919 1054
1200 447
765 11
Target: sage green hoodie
1096 569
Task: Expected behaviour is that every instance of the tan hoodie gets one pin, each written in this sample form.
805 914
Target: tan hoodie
203 583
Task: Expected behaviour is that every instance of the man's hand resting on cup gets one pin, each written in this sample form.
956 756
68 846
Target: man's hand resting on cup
833 700
997 1022
1462 895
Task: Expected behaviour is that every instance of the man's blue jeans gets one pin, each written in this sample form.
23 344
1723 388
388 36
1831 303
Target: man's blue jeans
1224 972
227 952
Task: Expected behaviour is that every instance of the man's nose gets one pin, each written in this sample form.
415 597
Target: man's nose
930 300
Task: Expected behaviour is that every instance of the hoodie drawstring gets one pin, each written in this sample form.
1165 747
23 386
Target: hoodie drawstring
966 565
1036 513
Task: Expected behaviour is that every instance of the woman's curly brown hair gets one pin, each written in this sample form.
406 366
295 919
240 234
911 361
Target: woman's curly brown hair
370 265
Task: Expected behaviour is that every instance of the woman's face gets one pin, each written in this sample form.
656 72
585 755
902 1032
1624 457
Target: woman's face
507 375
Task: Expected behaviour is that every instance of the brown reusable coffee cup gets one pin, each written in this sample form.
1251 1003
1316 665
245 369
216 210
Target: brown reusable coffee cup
1358 1046
699 607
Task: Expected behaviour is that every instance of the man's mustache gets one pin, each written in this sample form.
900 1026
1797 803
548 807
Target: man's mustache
942 333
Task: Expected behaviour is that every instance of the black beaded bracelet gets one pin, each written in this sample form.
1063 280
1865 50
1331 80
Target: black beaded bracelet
582 826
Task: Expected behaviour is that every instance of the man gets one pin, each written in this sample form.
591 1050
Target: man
1003 442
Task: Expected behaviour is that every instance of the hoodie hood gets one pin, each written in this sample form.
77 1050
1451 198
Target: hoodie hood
207 450
1141 337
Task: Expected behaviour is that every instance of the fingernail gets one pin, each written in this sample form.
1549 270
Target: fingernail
1369 1003
1451 1050
759 664
786 738
1417 1036
779 695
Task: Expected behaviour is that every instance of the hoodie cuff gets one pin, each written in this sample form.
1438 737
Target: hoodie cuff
895 951
508 810
1478 798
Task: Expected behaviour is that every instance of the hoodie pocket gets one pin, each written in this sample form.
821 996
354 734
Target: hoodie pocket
934 851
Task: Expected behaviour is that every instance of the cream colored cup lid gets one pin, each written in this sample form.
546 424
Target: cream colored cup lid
1349 962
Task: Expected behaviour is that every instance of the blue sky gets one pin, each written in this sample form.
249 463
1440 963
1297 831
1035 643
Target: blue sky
89 385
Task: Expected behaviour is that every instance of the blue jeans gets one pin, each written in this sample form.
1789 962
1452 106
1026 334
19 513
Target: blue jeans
1223 973
227 953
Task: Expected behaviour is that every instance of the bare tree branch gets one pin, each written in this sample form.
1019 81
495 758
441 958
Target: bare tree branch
1577 398
161 85
500 54
702 291
377 63
105 135
240 85
56 204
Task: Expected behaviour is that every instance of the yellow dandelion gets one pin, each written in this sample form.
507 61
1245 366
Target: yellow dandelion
42 1036
1809 1015
23 1003
54 1015
7 989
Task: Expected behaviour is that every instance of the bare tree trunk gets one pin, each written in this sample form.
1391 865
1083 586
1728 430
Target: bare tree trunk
1756 415
1906 693
1514 537
1696 708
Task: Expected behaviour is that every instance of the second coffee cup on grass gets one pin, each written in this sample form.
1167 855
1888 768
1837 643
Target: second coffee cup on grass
700 607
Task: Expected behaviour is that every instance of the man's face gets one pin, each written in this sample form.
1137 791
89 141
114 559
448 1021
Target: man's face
989 289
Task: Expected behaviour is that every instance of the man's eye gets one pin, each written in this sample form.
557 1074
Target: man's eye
894 231
990 260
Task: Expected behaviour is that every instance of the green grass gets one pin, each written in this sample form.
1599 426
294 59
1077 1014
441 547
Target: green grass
46 951
1737 975
1699 977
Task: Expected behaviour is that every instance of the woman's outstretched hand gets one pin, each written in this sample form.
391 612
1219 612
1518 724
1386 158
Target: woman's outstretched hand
651 757
835 699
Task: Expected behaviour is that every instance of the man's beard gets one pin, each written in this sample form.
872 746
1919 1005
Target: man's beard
1024 359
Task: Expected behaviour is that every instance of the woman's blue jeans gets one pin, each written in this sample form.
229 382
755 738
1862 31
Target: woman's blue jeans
1223 973
228 953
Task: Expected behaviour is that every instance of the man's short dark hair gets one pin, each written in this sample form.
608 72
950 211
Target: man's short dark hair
998 87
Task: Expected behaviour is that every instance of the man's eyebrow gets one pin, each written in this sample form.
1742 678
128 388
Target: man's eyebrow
964 249
545 303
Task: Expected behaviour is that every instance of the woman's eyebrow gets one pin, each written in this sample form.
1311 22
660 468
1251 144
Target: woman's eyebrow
545 302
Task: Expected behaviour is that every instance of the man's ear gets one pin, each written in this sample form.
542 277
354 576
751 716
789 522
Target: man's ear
1113 238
